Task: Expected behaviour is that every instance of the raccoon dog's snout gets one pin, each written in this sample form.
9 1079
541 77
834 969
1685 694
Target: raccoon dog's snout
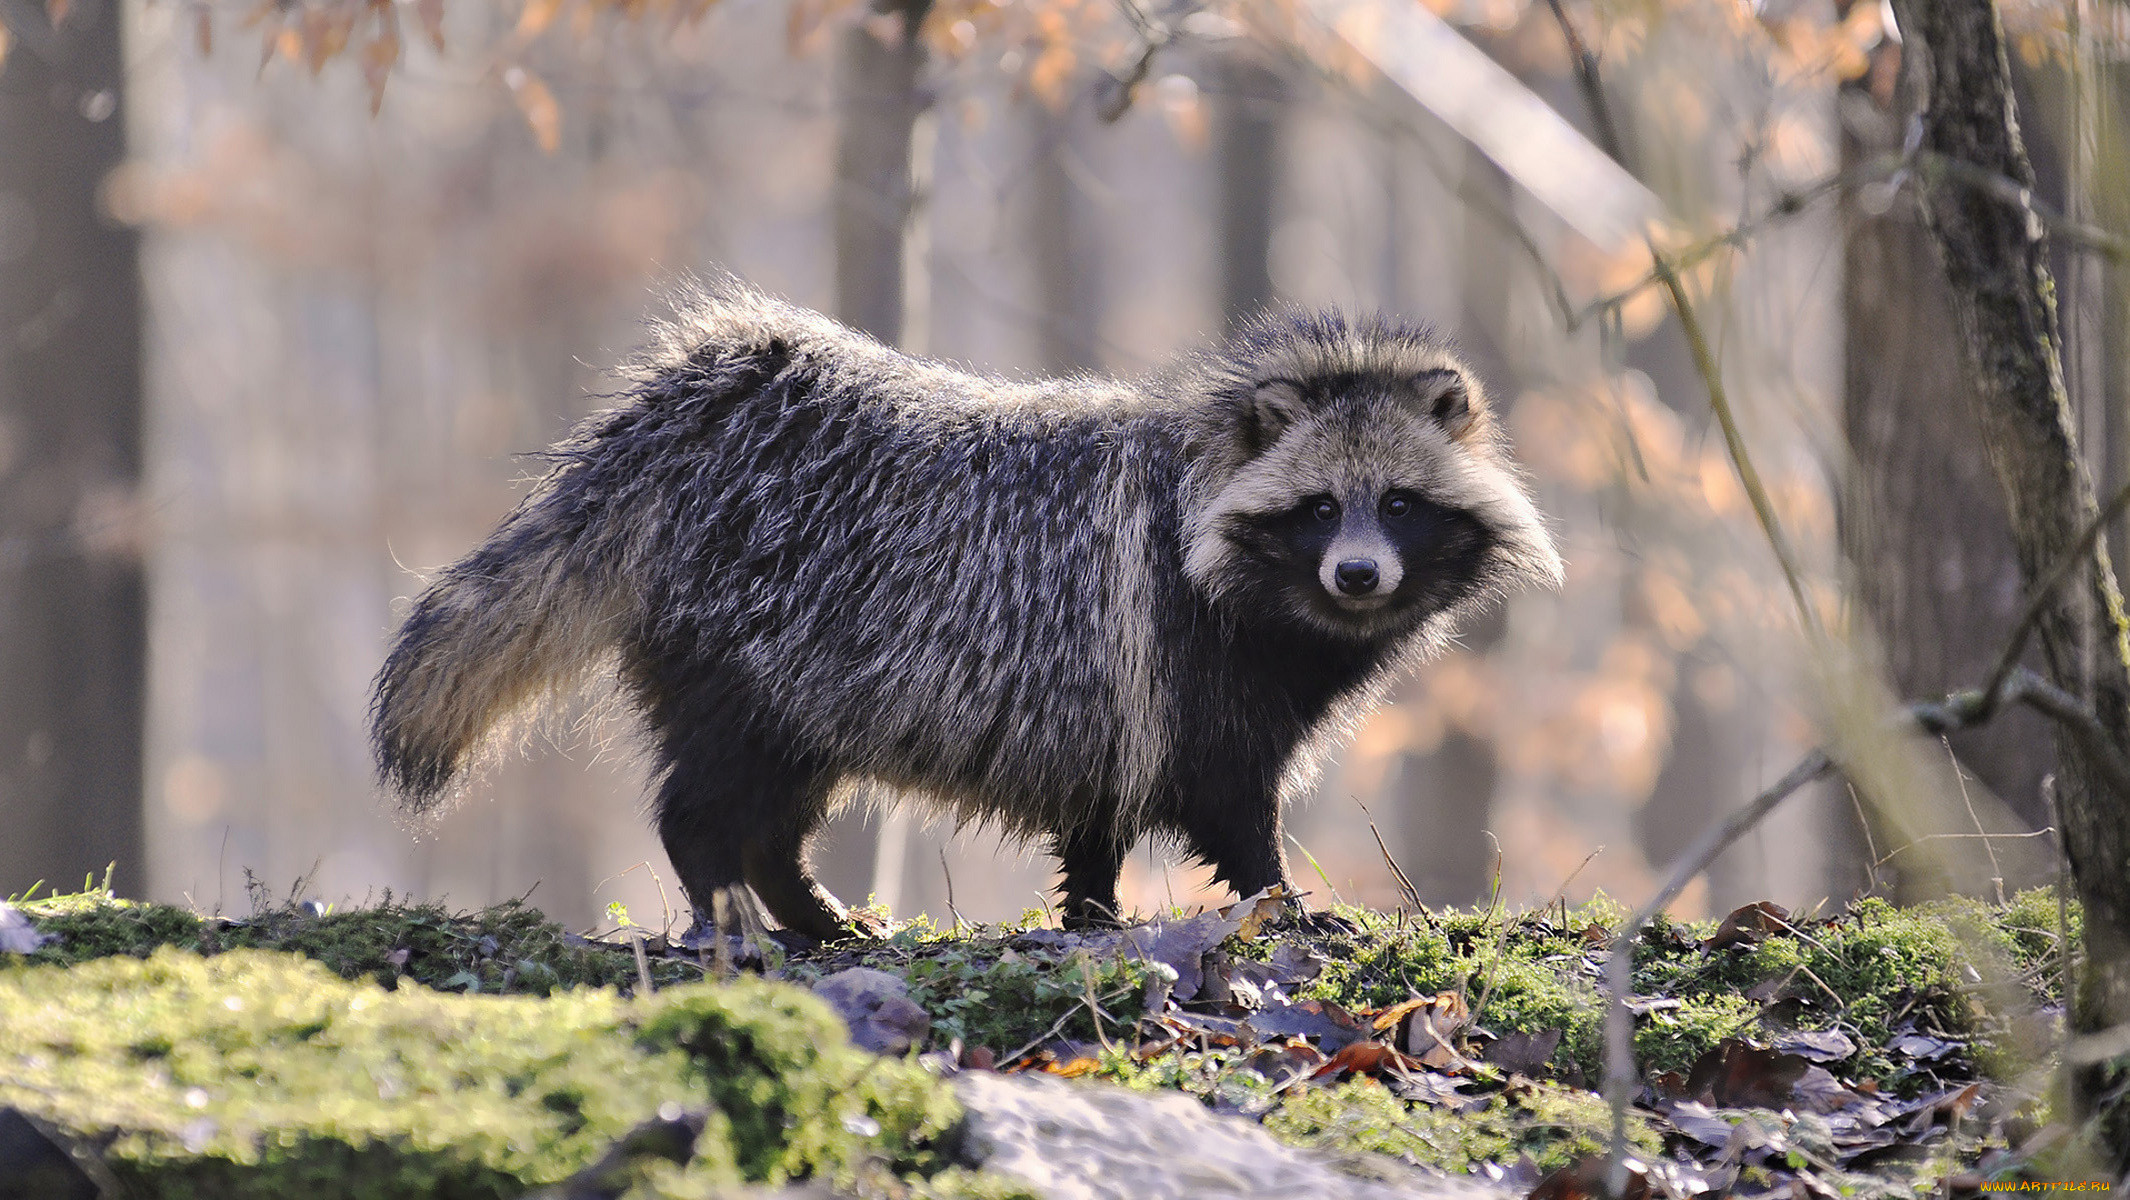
1357 576
1361 570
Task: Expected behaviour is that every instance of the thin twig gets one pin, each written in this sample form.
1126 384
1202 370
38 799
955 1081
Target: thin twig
1113 95
2010 191
1405 884
1059 1025
958 922
1871 845
1989 846
1788 204
1619 967
1560 894
1734 441
1586 76
2029 620
643 965
1904 847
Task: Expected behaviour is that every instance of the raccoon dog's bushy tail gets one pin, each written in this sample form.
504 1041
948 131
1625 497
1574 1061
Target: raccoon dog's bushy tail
519 621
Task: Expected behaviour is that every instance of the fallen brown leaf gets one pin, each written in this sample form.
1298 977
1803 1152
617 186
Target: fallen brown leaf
1366 1058
1746 926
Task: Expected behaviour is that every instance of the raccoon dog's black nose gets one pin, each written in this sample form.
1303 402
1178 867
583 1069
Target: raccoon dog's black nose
1357 577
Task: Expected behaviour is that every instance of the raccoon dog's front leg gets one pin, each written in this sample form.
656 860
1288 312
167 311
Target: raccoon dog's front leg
1092 856
1242 841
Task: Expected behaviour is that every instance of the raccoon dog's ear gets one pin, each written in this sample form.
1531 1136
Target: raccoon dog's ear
1446 398
1274 406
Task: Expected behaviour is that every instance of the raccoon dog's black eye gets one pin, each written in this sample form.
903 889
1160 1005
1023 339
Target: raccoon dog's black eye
1325 508
1397 504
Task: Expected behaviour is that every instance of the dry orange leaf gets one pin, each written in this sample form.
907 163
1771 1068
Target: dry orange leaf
1428 1024
325 34
6 43
538 15
431 14
56 11
538 105
1448 1005
377 59
1365 1058
1262 909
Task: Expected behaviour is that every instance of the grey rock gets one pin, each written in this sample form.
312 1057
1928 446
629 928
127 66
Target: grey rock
1077 1141
17 935
878 1009
35 1165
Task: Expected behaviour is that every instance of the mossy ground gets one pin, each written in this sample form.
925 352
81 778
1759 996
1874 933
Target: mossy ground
257 1073
1956 968
515 1055
509 948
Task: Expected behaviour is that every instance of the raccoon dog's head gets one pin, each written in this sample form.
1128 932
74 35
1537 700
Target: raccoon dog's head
1353 478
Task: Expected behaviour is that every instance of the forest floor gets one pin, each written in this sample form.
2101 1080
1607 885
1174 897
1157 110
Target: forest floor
404 1050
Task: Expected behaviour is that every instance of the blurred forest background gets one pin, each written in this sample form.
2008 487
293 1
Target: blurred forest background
288 290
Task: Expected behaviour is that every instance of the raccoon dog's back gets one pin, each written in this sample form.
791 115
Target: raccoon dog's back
1060 606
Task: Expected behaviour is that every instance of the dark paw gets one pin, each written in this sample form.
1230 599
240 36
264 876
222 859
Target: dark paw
1083 915
792 940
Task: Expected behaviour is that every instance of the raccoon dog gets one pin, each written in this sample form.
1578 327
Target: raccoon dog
1086 610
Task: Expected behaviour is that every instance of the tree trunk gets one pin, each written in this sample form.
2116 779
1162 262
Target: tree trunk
2003 297
878 102
1246 128
1922 523
1064 240
72 604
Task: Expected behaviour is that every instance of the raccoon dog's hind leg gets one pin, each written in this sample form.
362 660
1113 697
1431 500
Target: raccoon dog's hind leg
737 804
732 810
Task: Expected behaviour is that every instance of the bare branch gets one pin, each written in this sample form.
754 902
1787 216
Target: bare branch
1586 77
2010 191
1734 441
1619 966
1711 372
1788 204
2037 605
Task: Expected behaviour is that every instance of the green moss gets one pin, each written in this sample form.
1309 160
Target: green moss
981 990
508 948
314 1078
1555 1126
97 925
1671 1039
1959 968
262 1074
2030 922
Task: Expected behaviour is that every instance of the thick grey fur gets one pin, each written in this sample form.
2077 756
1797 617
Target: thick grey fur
1086 610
